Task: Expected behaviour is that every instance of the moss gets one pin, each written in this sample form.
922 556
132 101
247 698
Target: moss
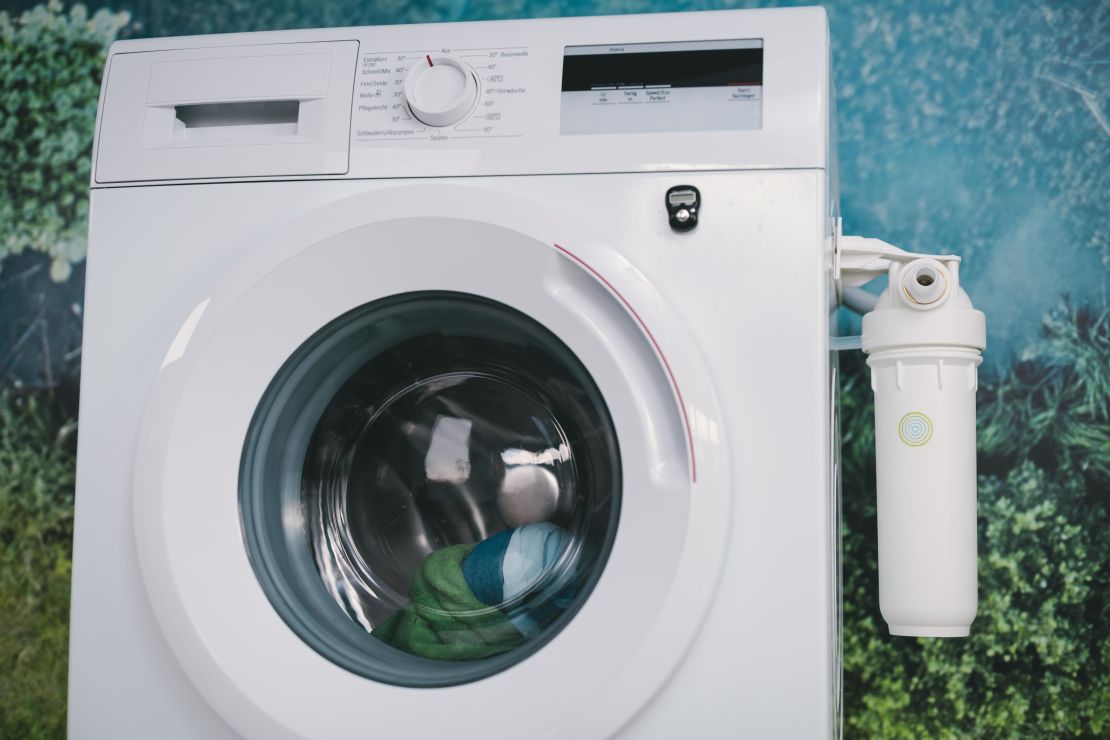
36 528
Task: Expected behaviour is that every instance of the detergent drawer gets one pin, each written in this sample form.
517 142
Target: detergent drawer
266 110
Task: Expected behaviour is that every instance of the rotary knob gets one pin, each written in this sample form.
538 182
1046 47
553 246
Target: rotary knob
441 90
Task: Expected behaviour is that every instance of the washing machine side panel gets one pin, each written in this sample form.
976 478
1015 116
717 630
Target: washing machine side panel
153 255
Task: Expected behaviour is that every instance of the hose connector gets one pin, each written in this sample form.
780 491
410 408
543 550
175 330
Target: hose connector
925 284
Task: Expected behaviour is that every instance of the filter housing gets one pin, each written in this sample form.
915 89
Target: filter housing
924 342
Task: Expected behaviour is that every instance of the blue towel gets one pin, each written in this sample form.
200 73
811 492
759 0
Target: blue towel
506 568
530 559
533 550
482 568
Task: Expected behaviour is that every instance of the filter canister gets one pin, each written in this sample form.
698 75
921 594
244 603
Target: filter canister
924 345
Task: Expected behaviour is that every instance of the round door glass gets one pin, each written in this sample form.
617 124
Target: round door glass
430 489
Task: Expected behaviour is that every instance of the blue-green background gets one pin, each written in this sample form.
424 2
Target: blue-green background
980 127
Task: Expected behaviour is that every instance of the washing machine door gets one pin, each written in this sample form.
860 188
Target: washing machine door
419 470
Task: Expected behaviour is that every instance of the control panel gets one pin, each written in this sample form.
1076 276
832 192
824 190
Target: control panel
439 94
679 92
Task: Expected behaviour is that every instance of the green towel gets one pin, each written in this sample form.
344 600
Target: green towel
444 620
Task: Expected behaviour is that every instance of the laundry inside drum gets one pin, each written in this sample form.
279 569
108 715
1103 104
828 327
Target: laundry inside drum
450 524
459 491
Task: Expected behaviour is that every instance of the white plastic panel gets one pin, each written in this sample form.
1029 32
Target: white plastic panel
514 128
226 634
764 663
238 111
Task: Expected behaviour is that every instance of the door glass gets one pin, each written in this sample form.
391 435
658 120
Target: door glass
430 488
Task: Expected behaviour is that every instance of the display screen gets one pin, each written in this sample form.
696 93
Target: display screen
671 86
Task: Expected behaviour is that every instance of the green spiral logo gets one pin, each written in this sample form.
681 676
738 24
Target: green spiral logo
915 429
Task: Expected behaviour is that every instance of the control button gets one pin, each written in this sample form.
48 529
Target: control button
441 90
683 202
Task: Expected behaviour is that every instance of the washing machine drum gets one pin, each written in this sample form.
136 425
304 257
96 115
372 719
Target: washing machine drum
430 489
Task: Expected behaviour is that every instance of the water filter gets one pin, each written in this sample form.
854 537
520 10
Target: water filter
924 341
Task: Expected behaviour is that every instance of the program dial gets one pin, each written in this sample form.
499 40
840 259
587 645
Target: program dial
441 89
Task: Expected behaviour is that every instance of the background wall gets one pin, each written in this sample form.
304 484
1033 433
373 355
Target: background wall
981 127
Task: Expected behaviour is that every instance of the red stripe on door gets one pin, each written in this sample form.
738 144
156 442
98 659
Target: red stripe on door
658 350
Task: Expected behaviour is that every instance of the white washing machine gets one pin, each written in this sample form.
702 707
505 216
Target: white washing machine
463 380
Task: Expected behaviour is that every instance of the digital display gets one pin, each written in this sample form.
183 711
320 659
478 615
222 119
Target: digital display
698 64
669 86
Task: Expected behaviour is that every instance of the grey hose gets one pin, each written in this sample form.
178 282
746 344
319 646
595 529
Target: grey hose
858 299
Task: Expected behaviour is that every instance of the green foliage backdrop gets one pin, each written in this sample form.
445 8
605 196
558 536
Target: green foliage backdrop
1037 663
36 527
50 69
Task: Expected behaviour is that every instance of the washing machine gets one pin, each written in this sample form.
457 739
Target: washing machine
462 380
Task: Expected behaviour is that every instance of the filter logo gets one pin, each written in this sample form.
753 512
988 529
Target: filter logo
915 429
